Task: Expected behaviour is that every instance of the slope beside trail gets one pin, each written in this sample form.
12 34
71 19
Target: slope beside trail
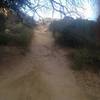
42 74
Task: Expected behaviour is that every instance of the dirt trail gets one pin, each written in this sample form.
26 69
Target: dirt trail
43 74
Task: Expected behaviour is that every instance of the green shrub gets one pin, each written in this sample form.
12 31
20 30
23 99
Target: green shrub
74 33
57 26
19 35
23 38
5 39
86 57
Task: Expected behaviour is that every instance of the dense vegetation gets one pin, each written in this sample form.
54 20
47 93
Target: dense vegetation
74 33
15 33
82 35
16 27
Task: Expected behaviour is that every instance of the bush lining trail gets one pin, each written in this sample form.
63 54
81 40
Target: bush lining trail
43 74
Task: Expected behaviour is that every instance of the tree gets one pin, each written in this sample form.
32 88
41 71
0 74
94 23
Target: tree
13 4
18 6
64 7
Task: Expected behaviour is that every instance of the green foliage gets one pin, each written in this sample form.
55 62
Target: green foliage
78 33
5 39
22 36
74 33
86 57
19 35
57 26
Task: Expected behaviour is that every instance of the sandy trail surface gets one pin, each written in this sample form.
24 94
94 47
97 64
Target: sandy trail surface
42 74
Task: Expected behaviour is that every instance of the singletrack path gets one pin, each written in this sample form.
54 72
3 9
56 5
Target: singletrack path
42 74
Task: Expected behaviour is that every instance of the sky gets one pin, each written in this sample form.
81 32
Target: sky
86 9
